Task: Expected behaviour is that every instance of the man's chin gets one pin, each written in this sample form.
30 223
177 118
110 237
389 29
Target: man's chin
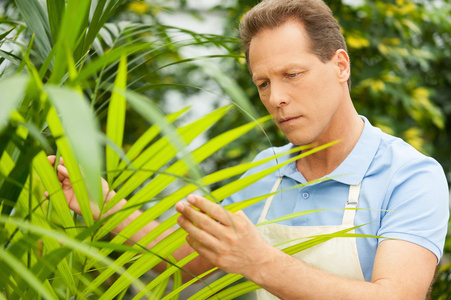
299 142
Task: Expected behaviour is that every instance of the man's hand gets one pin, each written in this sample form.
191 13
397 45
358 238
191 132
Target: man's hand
227 240
63 177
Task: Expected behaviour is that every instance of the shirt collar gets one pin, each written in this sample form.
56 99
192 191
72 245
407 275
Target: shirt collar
352 170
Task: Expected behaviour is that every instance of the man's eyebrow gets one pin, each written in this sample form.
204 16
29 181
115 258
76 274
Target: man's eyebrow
281 70
257 78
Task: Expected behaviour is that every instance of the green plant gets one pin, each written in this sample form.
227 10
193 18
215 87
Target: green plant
58 95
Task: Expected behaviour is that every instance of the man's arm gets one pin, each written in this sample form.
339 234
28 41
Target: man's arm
402 270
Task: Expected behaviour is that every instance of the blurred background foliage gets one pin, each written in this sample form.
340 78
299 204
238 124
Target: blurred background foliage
400 53
401 66
401 71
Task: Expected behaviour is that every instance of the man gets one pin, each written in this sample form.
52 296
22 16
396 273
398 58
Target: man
298 61
297 58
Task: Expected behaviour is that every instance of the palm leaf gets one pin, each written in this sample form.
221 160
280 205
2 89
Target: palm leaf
37 22
101 14
10 191
173 241
70 243
231 278
111 57
153 158
230 88
81 148
13 91
28 202
49 180
26 274
20 245
174 269
163 205
11 57
70 33
52 185
55 11
145 139
178 167
172 173
116 120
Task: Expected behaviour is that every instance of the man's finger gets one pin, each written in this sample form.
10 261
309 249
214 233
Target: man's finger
52 159
204 251
215 211
197 233
62 173
200 219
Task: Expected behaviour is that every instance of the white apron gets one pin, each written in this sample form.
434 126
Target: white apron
337 256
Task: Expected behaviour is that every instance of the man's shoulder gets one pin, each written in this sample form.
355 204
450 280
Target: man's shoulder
395 158
399 152
391 157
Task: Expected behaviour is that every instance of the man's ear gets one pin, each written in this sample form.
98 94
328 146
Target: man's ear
343 64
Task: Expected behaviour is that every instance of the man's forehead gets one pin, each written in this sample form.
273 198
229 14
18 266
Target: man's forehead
290 35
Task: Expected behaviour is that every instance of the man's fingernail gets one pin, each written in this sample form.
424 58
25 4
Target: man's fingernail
191 199
180 206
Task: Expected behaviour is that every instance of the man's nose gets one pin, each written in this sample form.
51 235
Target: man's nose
279 96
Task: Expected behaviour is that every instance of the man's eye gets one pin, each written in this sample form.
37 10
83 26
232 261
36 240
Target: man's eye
293 75
263 85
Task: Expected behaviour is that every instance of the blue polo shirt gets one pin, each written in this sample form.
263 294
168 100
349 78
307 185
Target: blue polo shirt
404 194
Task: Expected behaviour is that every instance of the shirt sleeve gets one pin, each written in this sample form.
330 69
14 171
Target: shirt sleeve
417 204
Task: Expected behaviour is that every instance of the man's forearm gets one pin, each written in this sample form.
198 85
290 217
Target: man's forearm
289 278
402 270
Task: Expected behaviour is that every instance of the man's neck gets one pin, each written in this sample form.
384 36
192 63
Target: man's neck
324 162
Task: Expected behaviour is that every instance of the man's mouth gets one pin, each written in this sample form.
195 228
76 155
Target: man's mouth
287 119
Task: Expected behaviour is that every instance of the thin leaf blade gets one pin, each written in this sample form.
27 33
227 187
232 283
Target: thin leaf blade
116 119
13 90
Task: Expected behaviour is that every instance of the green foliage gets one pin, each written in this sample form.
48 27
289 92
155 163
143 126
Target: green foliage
90 85
58 100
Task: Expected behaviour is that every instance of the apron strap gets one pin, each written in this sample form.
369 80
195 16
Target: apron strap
348 216
353 202
262 217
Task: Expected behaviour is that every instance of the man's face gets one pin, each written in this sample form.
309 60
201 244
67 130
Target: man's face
303 94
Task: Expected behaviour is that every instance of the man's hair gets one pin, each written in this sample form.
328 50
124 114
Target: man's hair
321 27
